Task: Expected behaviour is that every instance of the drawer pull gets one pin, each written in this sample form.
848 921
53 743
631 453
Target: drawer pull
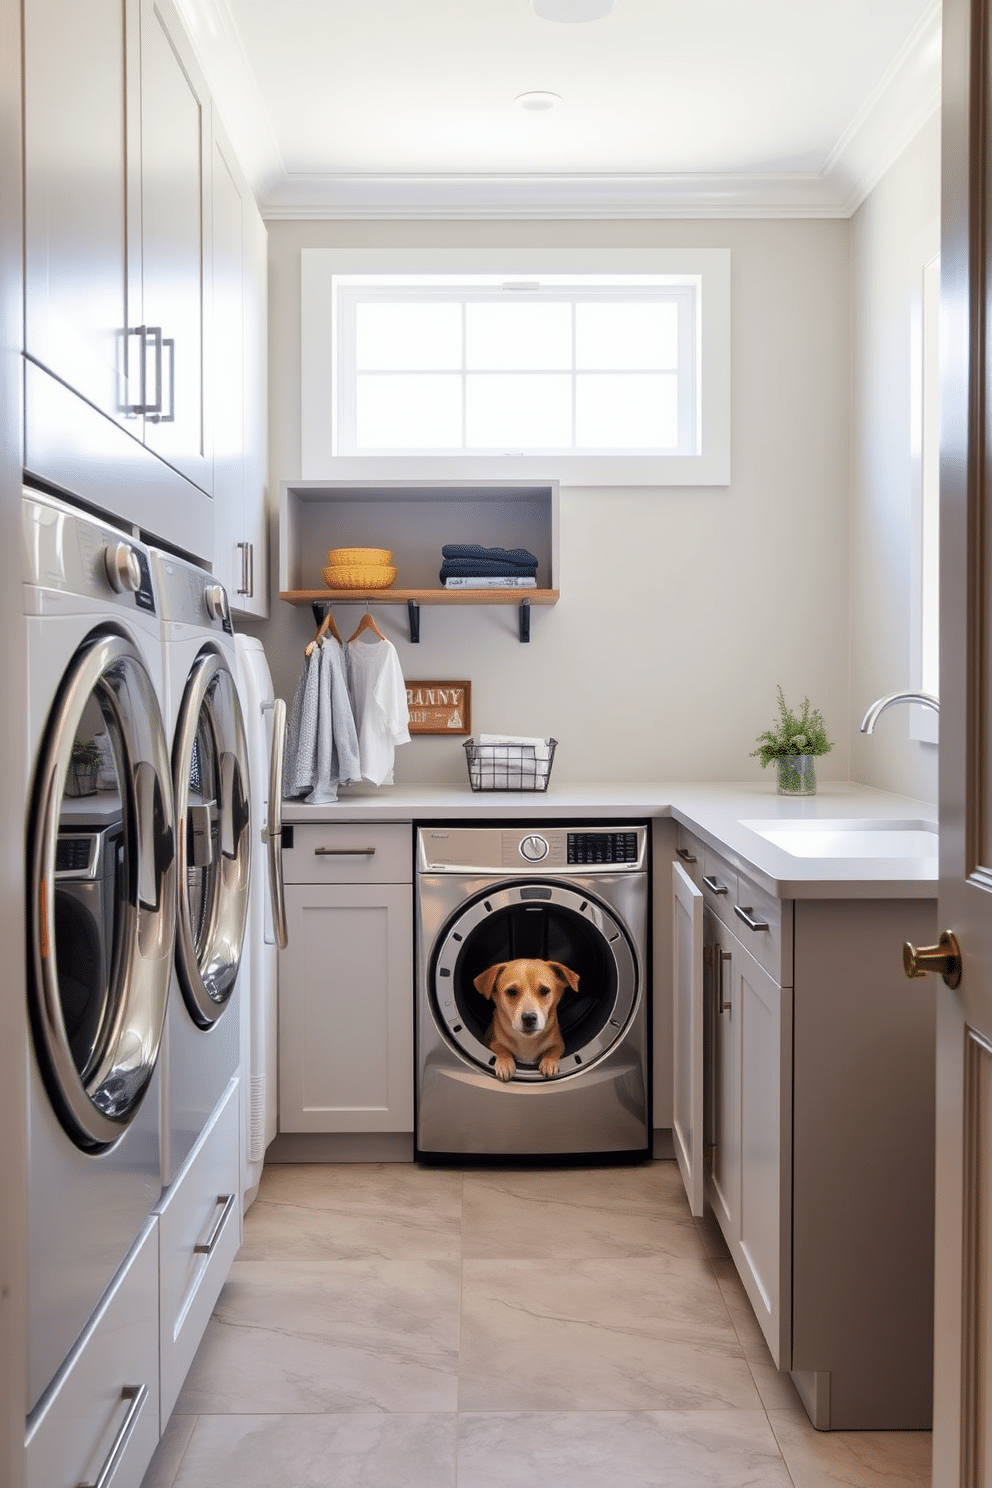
137 1395
206 1246
685 855
712 885
722 1000
344 852
743 912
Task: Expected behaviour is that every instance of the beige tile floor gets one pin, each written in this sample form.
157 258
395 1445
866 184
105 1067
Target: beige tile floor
392 1326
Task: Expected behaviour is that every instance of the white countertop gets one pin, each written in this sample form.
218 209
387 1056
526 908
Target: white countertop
714 811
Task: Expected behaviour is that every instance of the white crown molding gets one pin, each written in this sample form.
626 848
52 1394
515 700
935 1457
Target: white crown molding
905 98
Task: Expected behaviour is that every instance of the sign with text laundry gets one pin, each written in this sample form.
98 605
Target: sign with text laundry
440 707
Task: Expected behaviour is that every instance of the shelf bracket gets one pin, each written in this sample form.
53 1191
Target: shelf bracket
524 620
413 610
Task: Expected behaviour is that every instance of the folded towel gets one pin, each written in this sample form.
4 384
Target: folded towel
541 747
477 567
519 556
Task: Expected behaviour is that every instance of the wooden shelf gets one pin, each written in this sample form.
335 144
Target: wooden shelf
420 596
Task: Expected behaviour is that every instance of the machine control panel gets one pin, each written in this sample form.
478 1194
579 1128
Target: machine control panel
602 847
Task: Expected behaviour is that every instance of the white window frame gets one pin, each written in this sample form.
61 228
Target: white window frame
707 270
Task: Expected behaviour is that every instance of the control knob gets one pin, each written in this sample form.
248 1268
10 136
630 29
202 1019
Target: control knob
215 599
123 568
534 848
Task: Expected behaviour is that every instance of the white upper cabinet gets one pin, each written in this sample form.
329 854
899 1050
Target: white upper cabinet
175 131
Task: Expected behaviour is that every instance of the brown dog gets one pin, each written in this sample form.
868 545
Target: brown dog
525 996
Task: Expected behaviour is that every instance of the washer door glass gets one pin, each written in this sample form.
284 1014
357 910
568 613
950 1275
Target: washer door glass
210 777
101 874
545 922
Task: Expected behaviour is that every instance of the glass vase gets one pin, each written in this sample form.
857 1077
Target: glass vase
796 775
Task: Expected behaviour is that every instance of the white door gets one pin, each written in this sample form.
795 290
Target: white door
963 1303
688 1068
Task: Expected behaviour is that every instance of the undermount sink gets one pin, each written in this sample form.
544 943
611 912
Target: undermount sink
828 838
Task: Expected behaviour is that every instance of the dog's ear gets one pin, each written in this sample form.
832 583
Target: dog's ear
485 982
566 974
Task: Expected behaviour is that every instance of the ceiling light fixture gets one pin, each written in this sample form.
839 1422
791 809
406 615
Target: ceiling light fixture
537 102
571 10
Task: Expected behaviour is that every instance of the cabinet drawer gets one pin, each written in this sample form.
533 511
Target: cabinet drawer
690 853
200 1232
770 945
106 1400
349 852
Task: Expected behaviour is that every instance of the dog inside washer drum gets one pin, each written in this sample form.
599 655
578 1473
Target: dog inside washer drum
536 985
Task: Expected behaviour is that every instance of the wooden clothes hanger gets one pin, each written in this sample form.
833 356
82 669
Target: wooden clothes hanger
366 623
327 627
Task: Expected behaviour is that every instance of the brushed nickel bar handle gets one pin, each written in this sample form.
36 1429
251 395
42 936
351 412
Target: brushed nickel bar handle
137 1395
685 855
344 852
713 886
719 957
206 1246
743 912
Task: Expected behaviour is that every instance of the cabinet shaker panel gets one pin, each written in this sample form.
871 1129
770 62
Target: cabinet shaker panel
76 192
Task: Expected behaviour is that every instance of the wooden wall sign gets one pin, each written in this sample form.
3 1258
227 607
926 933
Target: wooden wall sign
440 707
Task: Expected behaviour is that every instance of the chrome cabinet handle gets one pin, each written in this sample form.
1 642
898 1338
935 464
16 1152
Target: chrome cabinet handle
226 1203
344 852
243 546
744 912
137 1395
251 570
719 957
247 569
712 885
685 855
272 835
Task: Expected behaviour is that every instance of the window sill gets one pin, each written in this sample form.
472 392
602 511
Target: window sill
568 470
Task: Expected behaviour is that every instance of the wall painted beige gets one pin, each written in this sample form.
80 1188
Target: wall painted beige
681 609
890 235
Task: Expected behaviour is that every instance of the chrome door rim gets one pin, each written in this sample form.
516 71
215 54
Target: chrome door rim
455 934
208 976
96 1112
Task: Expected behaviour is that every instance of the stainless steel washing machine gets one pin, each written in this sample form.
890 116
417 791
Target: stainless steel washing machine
574 896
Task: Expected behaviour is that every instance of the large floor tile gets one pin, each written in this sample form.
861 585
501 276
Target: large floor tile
851 1459
349 1211
309 1336
687 1449
638 1334
349 1451
578 1213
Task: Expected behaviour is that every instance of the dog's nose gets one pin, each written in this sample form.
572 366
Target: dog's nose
529 1020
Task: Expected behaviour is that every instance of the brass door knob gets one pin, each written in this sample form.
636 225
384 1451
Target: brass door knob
944 958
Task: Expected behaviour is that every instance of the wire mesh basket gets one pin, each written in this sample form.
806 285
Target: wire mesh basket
510 767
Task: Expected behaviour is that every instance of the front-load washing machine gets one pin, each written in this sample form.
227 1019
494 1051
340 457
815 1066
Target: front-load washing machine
101 898
204 721
572 898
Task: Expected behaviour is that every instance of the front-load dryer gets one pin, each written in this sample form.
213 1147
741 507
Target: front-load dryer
100 874
571 898
204 721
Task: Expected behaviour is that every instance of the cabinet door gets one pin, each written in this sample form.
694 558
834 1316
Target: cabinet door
763 1012
226 371
346 1009
724 1074
76 99
175 160
687 1033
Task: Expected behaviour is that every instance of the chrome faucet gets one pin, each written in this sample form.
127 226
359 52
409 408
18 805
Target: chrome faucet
879 706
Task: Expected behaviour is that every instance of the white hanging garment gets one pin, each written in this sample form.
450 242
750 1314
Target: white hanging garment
378 695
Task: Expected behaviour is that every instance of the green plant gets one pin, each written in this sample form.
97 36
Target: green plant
806 734
85 753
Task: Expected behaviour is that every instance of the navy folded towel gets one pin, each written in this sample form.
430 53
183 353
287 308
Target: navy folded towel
487 567
519 557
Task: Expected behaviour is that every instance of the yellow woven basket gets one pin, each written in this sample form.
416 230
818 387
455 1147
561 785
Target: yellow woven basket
359 557
359 576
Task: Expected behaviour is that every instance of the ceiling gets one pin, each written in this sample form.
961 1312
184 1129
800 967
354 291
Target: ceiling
405 108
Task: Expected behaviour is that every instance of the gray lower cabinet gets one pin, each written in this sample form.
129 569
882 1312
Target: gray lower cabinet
346 980
817 1130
